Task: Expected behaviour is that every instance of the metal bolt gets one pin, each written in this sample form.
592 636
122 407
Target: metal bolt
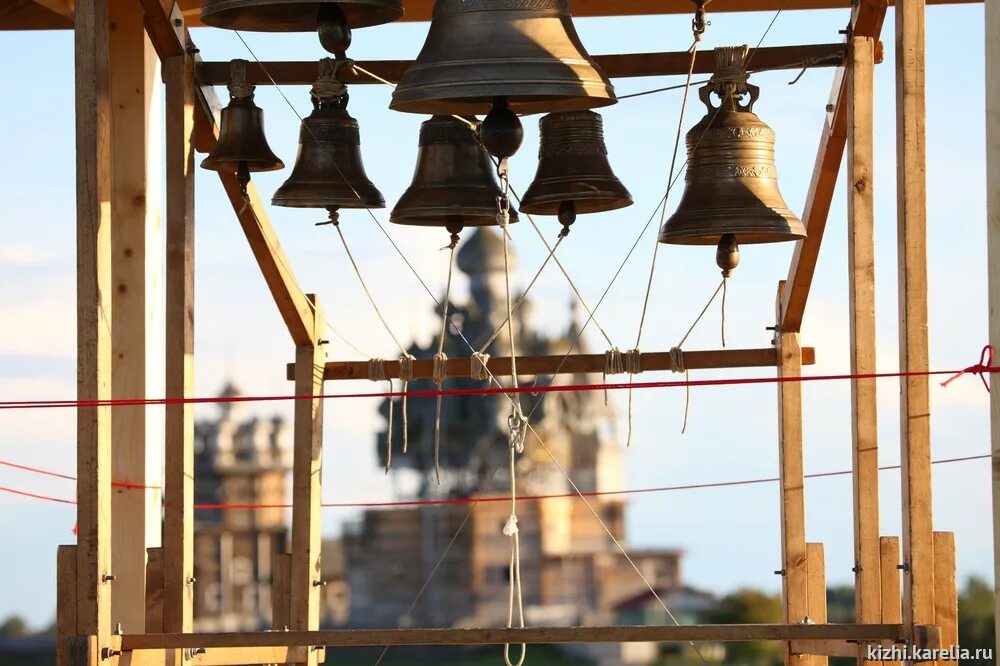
779 572
178 22
107 578
107 653
323 342
191 580
319 583
191 653
856 568
903 567
117 631
830 108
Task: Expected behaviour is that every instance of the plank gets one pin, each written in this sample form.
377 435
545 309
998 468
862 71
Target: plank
280 589
945 590
795 574
420 10
992 33
500 366
179 357
154 590
532 635
93 284
65 601
227 656
911 206
613 65
861 300
892 610
866 21
307 471
132 72
816 592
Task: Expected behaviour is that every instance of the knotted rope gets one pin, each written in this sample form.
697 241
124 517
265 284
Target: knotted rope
376 373
510 529
440 370
479 369
406 376
327 86
239 87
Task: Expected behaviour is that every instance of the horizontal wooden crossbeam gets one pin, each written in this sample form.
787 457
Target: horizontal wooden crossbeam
566 365
533 635
616 66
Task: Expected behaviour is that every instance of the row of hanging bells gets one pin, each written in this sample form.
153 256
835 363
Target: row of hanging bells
502 58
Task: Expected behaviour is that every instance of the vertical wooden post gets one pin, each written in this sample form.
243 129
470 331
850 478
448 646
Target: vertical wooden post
945 590
816 576
917 540
861 284
93 285
178 572
307 481
65 601
993 260
154 591
892 612
795 587
132 65
280 582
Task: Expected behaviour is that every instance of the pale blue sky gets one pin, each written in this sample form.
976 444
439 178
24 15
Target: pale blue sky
731 535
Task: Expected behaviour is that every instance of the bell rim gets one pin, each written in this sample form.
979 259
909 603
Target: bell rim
252 166
440 213
602 202
747 233
225 14
546 97
440 221
293 196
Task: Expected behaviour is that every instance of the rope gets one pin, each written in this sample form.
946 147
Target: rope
239 87
327 86
478 366
633 366
406 376
510 530
376 373
441 364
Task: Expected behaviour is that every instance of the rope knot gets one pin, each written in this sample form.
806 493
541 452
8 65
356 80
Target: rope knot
517 429
633 361
376 369
239 87
613 362
327 86
406 367
440 370
479 370
980 369
677 360
510 527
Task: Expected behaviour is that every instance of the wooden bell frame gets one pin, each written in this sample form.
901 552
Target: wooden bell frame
905 586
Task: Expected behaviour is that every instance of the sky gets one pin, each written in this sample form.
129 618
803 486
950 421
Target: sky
731 535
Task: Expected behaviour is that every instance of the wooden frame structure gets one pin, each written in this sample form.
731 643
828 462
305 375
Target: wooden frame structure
908 600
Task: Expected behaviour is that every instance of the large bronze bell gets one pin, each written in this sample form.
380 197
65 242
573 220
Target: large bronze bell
526 51
574 175
328 170
242 147
454 184
298 15
731 191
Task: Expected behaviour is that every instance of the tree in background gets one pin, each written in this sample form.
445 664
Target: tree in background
748 606
14 627
975 615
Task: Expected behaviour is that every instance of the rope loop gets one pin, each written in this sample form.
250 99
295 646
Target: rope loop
613 362
406 375
677 360
517 429
440 371
406 367
478 366
633 361
980 369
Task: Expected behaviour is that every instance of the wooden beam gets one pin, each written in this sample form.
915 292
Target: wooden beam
420 10
533 635
154 590
132 513
93 284
615 66
945 590
827 648
794 567
911 208
227 656
65 601
866 21
889 561
63 8
178 574
861 300
992 33
281 583
307 474
500 366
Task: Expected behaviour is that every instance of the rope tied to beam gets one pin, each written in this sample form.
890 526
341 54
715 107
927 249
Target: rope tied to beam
406 376
328 87
478 366
376 373
440 369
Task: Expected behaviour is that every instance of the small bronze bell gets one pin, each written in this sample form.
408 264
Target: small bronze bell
524 50
454 184
328 170
574 175
731 191
242 147
297 15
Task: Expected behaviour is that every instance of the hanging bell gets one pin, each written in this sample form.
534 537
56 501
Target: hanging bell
328 171
298 15
731 191
526 51
242 147
454 185
574 175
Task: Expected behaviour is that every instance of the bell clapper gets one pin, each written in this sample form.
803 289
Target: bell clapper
727 254
243 178
333 30
567 216
454 227
501 131
334 218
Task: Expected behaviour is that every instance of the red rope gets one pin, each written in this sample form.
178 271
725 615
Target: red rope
981 369
472 500
46 472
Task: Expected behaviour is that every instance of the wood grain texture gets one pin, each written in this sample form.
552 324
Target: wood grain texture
911 208
154 590
178 512
816 577
65 601
892 607
861 301
992 38
945 590
93 284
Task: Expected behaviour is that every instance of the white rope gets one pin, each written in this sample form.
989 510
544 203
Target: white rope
510 530
376 373
406 376
440 370
478 366
633 366
613 365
